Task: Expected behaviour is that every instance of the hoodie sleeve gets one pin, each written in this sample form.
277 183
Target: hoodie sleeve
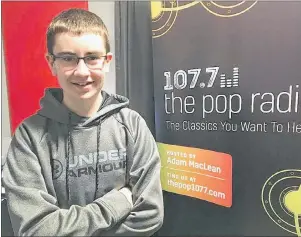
147 214
34 211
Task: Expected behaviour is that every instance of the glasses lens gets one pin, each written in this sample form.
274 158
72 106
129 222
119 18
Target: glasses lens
67 62
94 62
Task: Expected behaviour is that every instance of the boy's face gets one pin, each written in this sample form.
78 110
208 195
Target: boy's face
79 79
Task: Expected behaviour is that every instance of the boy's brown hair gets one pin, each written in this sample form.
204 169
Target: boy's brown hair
76 21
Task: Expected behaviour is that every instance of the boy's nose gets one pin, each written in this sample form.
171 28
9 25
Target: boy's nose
81 68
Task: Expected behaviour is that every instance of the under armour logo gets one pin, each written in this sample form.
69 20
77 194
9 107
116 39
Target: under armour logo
57 168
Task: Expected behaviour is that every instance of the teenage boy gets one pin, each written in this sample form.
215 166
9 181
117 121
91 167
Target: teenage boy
84 164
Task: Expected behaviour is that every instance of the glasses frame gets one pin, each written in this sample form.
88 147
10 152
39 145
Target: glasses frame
78 58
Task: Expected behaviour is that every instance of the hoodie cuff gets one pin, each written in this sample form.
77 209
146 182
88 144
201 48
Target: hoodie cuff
117 203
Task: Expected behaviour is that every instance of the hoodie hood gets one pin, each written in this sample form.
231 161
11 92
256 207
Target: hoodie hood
53 108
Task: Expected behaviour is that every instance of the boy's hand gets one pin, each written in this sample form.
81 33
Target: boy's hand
128 194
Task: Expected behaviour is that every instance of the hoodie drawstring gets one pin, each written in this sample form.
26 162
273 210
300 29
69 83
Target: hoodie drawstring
97 156
68 158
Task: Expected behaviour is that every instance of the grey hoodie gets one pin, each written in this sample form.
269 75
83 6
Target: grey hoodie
63 172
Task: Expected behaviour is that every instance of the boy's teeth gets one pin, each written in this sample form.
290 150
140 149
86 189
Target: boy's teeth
82 84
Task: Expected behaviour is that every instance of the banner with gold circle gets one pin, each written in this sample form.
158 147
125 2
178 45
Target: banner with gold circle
228 116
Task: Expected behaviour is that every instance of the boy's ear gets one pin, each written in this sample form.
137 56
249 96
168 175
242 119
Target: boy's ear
50 63
106 67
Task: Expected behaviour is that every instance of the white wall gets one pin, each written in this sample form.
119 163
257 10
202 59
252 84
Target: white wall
106 11
5 124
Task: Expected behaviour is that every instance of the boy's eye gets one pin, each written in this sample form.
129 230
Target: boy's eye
68 58
91 58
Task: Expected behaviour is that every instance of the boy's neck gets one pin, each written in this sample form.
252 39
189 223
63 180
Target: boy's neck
84 108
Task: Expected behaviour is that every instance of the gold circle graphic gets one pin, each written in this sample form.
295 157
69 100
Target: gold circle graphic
280 197
163 20
227 10
164 13
156 9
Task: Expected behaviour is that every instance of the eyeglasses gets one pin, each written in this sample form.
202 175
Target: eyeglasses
69 62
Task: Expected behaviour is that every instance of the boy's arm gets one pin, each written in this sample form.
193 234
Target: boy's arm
34 212
147 214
